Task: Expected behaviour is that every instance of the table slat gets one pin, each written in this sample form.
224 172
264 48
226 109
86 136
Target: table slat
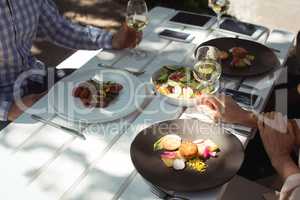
114 168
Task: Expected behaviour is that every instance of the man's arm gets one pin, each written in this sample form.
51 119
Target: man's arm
4 109
54 27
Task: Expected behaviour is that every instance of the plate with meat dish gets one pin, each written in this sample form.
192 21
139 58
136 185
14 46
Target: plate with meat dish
186 155
243 58
97 95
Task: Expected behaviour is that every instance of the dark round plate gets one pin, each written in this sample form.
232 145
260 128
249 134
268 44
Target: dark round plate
220 170
265 59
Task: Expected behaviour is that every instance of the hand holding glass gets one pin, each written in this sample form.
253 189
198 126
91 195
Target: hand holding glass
137 19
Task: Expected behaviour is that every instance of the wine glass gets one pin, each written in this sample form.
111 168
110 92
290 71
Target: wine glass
207 66
137 18
220 7
207 69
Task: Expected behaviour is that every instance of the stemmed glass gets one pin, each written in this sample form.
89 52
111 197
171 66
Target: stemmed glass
220 7
207 69
137 18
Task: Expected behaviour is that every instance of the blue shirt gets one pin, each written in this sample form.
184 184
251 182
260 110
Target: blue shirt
22 21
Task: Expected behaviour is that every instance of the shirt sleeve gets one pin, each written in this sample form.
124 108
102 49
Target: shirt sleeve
291 188
4 108
55 28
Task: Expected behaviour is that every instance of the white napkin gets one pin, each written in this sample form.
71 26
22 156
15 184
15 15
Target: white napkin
203 113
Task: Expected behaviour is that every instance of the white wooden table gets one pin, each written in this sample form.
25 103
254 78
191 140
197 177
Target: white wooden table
41 162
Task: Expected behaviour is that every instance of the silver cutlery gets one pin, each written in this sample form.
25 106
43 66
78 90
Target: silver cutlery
248 86
240 83
275 50
135 73
69 130
235 129
163 195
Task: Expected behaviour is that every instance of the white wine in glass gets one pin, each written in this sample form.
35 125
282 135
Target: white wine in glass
207 68
137 22
137 18
220 7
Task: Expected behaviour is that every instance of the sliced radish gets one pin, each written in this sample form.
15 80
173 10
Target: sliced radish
213 154
169 154
206 153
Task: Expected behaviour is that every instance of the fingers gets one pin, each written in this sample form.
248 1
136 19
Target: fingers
290 129
202 98
267 119
211 102
133 37
124 27
261 125
130 38
139 36
216 116
294 125
210 106
276 121
126 37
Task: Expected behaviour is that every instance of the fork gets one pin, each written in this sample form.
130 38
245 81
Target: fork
135 73
163 195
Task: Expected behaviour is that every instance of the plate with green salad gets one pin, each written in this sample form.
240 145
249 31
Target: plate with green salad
179 86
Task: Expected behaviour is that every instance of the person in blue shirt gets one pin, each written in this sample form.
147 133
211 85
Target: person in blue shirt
22 21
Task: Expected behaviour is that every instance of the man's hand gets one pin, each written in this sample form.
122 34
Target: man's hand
227 110
126 38
15 111
278 139
296 130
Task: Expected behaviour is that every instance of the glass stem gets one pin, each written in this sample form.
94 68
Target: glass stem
138 54
219 16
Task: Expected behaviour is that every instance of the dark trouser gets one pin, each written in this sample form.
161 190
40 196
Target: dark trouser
52 77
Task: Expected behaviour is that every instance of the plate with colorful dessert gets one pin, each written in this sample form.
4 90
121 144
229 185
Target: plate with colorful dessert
243 58
186 155
97 95
179 86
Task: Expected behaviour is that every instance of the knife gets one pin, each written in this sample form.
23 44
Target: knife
136 73
69 130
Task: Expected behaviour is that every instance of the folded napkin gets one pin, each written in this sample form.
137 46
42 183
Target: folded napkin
203 113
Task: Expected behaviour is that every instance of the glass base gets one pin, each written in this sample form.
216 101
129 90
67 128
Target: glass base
138 54
219 18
